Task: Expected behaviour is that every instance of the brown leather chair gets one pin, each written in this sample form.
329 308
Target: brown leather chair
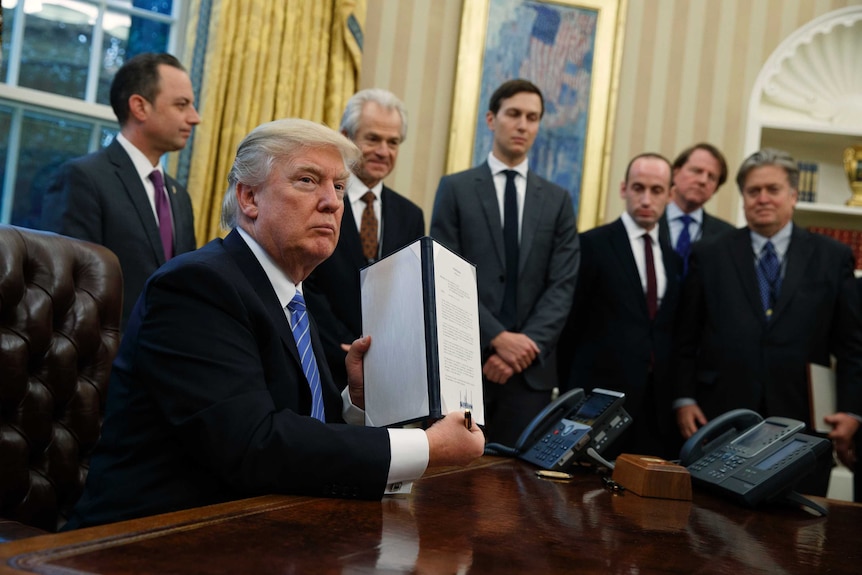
60 306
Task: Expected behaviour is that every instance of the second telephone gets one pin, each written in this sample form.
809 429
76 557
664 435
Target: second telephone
563 431
750 459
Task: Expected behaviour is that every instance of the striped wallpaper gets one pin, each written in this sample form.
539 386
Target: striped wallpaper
687 71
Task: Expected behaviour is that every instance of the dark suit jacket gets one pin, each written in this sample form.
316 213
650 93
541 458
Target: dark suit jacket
100 198
466 219
710 228
730 357
332 290
609 340
207 401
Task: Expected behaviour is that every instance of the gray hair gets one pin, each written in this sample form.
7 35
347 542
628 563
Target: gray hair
769 157
277 141
383 98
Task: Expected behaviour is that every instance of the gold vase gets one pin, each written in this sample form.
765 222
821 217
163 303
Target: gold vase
853 167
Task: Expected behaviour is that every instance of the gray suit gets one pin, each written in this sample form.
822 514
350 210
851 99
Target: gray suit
466 219
101 199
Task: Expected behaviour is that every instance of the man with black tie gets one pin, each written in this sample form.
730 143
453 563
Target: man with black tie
119 196
619 333
761 303
377 221
519 229
698 172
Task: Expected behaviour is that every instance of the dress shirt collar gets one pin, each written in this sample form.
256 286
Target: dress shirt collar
781 241
634 231
356 189
674 212
497 166
139 160
284 287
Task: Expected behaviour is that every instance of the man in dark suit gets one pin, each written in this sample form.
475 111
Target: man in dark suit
619 332
527 279
111 196
376 121
219 390
760 304
698 172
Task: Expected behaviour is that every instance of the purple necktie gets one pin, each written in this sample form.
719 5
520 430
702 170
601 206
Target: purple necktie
163 212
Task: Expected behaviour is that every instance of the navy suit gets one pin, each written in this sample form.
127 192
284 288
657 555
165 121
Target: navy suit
610 340
100 198
466 219
208 401
332 290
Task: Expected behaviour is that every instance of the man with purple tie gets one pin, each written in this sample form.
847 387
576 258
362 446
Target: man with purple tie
119 196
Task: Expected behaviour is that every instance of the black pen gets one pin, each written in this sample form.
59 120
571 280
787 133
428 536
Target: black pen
468 419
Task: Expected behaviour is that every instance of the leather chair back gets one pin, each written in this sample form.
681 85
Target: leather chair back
60 307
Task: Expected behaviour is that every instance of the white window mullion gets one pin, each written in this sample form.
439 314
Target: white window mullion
11 164
16 45
95 56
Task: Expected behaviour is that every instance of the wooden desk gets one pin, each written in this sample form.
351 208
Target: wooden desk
494 517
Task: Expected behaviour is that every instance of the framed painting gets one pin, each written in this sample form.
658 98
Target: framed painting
571 49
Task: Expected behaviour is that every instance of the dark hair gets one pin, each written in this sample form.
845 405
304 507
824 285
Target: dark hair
140 75
648 155
769 157
510 88
683 157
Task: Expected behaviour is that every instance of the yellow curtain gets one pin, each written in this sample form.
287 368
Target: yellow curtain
265 60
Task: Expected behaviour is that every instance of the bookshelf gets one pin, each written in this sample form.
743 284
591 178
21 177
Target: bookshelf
807 100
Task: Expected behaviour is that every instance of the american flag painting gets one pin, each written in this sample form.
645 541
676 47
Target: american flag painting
552 46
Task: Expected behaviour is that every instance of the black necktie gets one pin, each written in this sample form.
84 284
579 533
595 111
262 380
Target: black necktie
509 311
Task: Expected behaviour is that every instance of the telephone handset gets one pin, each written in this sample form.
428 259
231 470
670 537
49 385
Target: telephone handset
563 431
753 460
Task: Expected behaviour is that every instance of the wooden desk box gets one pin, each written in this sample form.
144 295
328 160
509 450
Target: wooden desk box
652 477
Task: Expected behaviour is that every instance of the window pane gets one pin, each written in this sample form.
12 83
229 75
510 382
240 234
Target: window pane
158 6
5 125
8 21
46 143
107 135
56 51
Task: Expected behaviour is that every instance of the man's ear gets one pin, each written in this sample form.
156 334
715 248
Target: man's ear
139 107
489 119
247 199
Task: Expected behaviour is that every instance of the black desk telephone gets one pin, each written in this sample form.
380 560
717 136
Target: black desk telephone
562 432
752 460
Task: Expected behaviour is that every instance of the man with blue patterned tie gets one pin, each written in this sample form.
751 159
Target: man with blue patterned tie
761 303
698 172
220 389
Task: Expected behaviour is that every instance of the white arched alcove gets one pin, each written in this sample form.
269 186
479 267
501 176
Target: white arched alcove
807 100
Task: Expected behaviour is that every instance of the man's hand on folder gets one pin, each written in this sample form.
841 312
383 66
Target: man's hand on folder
844 427
516 349
355 377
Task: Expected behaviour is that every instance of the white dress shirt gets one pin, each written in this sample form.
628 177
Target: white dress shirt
635 233
144 169
497 169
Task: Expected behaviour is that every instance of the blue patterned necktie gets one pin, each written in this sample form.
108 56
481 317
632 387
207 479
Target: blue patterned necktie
683 241
302 335
768 277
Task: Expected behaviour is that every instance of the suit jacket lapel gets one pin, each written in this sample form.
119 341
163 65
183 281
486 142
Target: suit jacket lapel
134 189
391 226
533 206
743 260
622 250
798 254
487 196
350 236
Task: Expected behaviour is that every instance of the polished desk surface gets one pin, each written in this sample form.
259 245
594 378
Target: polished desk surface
493 517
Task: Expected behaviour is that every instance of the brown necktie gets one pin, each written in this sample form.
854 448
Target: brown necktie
368 228
651 285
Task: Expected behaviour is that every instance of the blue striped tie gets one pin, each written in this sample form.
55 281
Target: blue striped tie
302 335
768 277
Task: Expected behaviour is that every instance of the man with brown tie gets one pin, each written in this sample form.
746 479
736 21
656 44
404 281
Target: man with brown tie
119 196
619 331
377 221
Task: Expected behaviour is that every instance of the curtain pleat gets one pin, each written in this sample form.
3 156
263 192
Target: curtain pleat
267 60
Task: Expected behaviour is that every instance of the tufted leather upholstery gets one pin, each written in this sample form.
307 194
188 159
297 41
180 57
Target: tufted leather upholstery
60 306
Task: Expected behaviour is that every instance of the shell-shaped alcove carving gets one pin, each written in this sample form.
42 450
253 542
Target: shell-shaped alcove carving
818 71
